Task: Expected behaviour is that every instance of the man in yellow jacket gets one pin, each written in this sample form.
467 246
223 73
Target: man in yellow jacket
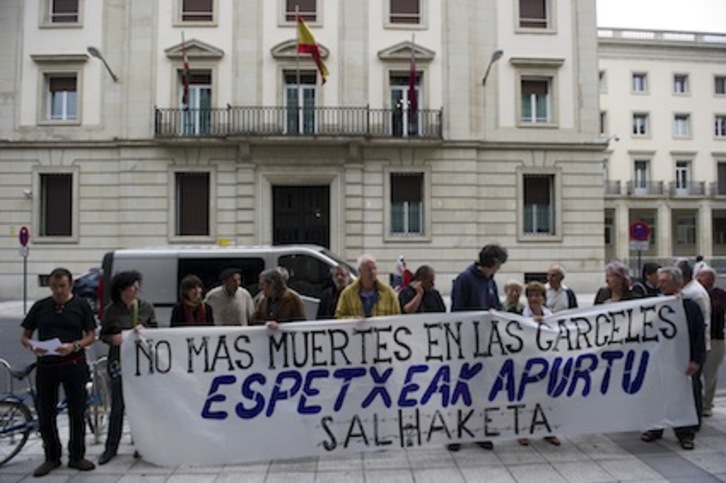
367 296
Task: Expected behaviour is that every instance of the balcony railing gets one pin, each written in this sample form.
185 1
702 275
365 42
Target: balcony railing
696 188
298 121
644 188
612 187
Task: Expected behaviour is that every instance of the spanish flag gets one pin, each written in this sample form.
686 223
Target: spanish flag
306 45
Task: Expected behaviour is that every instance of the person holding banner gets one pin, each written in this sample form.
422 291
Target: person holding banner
126 311
670 281
231 303
192 310
617 289
475 289
421 295
367 296
536 294
513 292
329 299
279 304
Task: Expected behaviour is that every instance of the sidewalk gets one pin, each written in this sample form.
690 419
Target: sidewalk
588 458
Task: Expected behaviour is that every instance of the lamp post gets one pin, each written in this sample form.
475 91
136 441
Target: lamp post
496 55
97 54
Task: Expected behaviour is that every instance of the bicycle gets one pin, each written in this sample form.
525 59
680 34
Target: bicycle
18 417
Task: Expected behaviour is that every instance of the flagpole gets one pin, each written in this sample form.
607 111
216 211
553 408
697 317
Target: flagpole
297 71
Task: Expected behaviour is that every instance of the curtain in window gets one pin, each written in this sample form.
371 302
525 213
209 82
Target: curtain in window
56 204
533 13
306 8
538 209
405 11
192 201
407 203
197 10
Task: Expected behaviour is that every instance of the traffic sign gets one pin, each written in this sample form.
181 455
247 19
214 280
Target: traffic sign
24 236
639 231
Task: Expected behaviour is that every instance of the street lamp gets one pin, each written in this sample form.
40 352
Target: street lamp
496 55
97 54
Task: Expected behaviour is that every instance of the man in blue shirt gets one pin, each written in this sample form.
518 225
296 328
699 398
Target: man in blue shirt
475 289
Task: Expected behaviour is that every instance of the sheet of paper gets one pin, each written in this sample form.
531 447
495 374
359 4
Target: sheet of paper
49 345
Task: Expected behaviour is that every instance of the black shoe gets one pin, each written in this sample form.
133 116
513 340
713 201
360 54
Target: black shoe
453 447
485 444
137 455
46 468
81 465
106 457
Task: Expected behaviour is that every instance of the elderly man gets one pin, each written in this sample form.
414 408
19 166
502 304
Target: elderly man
329 299
670 281
559 296
280 304
706 276
231 303
367 296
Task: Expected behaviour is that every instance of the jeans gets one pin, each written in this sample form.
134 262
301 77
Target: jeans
714 358
73 377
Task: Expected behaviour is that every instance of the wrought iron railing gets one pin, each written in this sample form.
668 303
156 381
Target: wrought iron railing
612 187
298 121
644 188
717 188
695 188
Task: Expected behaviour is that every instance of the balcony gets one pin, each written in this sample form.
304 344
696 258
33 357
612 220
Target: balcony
696 188
612 188
297 121
644 188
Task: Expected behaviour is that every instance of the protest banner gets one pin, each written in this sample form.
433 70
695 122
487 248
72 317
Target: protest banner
224 395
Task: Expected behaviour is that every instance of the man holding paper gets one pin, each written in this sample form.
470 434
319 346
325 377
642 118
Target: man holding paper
69 320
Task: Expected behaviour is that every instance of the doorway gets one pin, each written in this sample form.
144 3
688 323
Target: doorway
301 214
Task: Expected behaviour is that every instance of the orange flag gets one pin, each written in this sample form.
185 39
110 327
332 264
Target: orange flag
306 45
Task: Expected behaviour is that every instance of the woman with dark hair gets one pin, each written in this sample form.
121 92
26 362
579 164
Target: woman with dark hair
126 311
191 310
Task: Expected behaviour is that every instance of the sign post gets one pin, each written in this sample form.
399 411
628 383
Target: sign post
23 238
639 239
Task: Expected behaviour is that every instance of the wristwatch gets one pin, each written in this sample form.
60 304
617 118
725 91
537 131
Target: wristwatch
77 347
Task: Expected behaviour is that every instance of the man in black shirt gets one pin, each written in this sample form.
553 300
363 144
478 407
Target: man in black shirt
70 320
420 295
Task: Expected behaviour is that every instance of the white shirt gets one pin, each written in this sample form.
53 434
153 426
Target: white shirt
235 309
527 312
696 292
557 300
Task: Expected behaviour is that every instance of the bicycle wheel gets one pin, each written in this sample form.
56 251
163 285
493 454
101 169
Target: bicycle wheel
16 422
98 402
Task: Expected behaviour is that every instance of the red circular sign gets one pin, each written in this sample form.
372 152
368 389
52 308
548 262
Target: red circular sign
24 236
639 231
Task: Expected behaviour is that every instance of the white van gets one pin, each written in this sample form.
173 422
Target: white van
163 268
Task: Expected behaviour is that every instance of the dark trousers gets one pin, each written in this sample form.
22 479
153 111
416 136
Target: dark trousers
116 420
73 378
688 433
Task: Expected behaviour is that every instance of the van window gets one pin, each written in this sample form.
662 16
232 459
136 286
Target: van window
208 269
308 275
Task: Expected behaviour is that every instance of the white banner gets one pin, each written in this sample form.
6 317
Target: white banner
223 395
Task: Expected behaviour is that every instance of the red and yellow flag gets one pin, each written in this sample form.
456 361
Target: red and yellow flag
306 45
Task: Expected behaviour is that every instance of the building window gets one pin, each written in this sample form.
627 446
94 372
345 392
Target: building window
603 81
406 106
197 114
685 230
603 122
609 229
682 125
56 204
192 204
683 177
640 124
307 9
62 12
407 204
641 179
720 126
640 82
721 181
61 97
300 102
680 84
534 14
197 10
539 214
405 12
720 85
536 100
